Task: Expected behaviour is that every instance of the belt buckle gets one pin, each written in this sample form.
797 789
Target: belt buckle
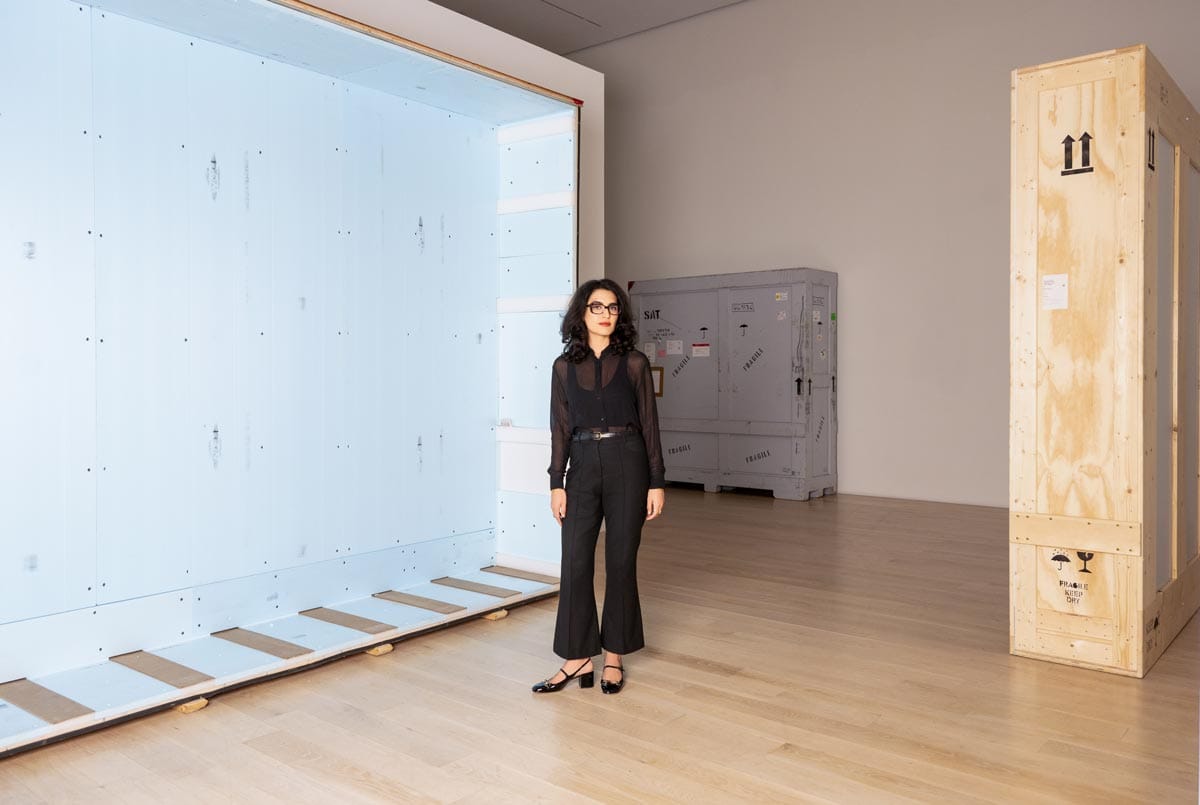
597 435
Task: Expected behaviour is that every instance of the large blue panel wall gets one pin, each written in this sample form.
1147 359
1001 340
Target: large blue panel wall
47 313
247 315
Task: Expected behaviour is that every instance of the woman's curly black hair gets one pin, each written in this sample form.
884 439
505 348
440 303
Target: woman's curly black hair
574 331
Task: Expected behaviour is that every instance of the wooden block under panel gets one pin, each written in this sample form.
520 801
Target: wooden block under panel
476 587
51 707
420 601
264 643
164 670
348 620
195 705
528 575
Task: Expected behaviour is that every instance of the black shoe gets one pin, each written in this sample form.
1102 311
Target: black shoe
613 687
585 680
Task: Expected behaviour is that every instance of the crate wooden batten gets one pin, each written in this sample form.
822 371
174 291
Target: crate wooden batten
1104 419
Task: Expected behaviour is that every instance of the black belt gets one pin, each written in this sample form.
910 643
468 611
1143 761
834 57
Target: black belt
597 435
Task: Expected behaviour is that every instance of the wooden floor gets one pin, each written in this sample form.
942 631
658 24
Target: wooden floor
848 650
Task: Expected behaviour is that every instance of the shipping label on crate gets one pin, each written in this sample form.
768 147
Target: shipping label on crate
1055 289
1075 582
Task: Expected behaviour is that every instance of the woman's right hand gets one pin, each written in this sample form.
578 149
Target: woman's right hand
558 504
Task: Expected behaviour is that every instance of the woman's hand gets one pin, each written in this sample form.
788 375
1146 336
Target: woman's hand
558 504
654 503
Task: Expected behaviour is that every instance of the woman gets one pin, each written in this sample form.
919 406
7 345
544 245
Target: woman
604 440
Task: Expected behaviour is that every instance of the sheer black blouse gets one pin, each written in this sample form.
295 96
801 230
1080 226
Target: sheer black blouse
612 391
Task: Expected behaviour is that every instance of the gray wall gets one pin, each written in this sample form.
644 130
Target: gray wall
872 139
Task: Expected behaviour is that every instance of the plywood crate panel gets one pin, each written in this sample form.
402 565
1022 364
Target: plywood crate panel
1105 352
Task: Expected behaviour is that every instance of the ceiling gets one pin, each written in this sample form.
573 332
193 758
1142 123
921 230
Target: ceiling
565 26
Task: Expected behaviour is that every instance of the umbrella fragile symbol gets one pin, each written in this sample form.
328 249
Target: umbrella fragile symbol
1060 558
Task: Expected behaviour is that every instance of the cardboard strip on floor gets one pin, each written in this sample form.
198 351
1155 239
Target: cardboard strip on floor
348 620
420 601
162 669
476 587
51 707
261 642
528 575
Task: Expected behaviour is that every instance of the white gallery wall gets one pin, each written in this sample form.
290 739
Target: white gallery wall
869 138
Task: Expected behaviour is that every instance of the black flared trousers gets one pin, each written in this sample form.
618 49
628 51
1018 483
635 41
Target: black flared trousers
606 480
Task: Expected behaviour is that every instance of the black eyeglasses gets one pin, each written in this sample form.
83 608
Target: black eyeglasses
598 307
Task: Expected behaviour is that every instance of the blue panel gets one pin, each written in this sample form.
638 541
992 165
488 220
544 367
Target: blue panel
255 351
438 330
217 658
143 169
398 615
551 274
14 721
413 243
226 124
309 632
537 232
236 602
359 461
469 465
47 327
396 432
105 686
49 644
536 167
305 209
448 555
526 527
529 343
252 599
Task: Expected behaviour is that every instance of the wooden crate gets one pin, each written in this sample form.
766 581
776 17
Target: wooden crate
1104 437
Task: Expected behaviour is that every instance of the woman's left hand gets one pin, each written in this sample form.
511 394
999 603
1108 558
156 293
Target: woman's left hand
654 503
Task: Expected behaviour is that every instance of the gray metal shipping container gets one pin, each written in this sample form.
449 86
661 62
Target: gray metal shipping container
746 370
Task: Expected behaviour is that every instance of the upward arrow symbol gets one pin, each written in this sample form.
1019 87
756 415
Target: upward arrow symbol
1085 143
1068 151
